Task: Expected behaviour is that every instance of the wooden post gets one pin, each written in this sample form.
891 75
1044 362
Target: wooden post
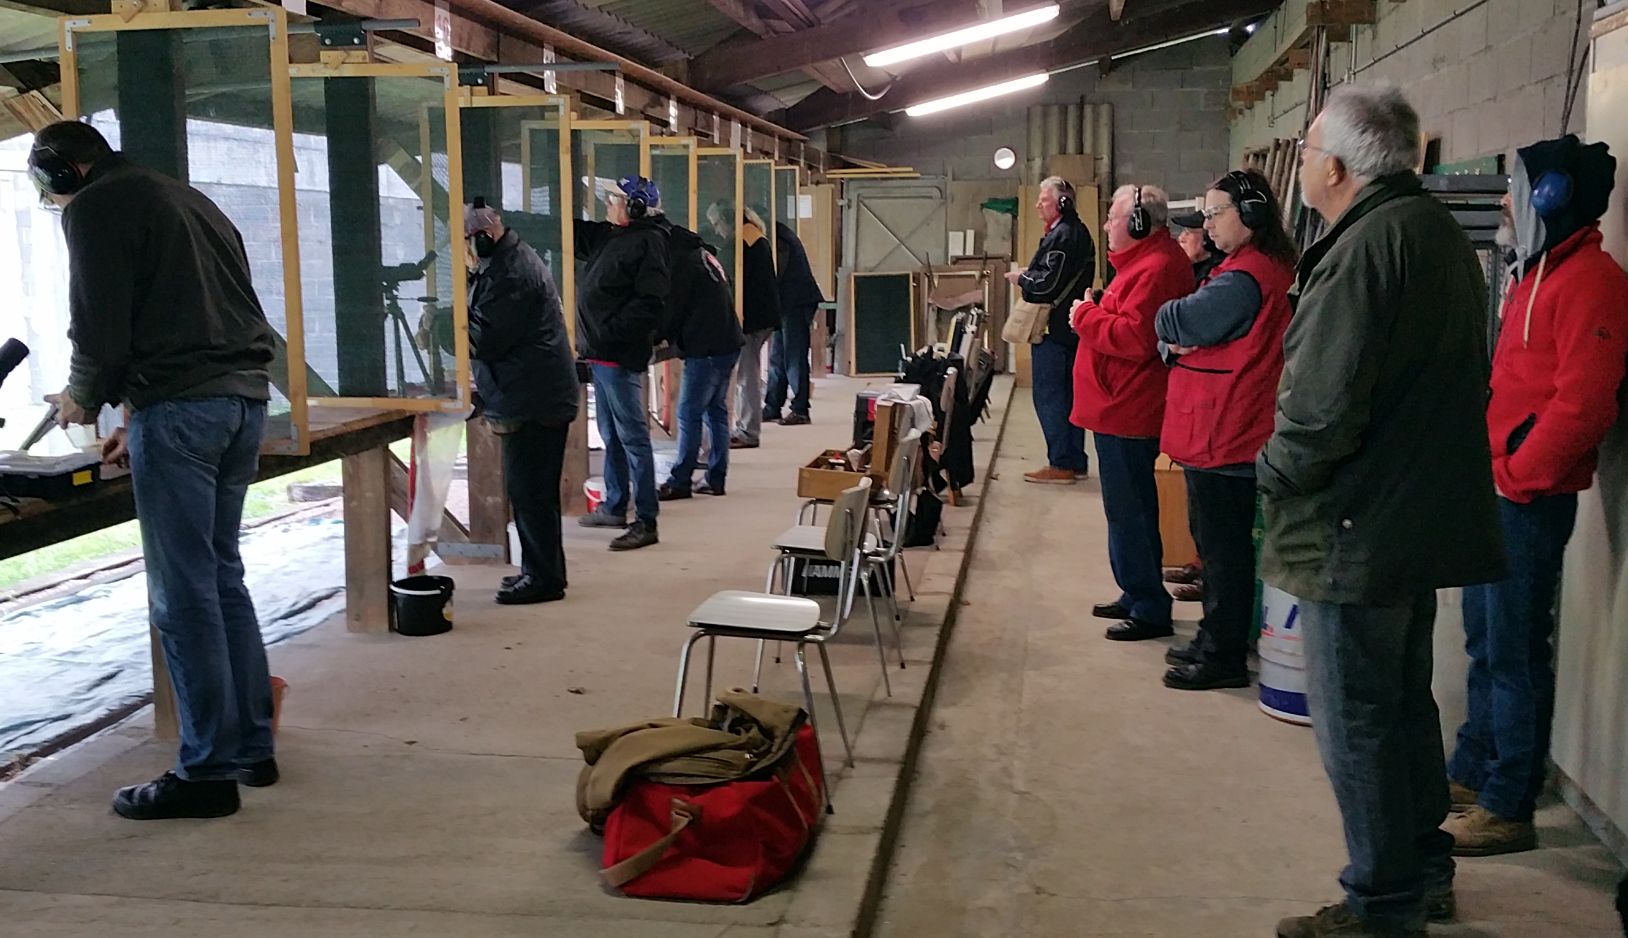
488 500
353 185
368 568
575 473
166 713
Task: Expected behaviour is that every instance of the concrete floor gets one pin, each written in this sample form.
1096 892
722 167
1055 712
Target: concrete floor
428 783
1062 791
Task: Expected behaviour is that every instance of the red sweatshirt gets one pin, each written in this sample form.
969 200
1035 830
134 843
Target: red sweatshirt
1555 374
1119 380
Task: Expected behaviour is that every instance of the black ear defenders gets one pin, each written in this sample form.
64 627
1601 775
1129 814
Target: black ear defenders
1254 208
1140 224
637 207
51 173
1064 203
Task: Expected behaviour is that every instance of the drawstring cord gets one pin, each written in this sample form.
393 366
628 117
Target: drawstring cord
1526 330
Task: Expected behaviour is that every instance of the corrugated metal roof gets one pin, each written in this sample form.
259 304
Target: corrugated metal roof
604 28
692 25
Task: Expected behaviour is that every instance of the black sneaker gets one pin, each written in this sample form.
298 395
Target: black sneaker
509 581
1183 654
1136 630
600 519
1204 676
171 796
526 591
667 492
641 534
260 774
706 489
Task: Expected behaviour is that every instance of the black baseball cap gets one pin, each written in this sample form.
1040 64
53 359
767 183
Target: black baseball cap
1188 220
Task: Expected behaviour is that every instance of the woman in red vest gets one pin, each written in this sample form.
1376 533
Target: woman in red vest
1224 344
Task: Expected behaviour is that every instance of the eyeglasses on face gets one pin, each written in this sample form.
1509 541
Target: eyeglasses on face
1217 212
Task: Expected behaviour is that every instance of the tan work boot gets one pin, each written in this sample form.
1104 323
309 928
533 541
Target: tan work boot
1480 833
1051 475
1463 796
1339 922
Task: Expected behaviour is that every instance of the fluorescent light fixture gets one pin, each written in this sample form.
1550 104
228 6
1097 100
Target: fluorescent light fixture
960 37
976 95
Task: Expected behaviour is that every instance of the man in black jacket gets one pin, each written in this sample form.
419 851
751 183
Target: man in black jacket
800 297
164 318
1061 272
526 377
701 324
620 299
760 313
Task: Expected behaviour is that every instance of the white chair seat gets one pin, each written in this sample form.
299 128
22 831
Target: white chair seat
810 539
744 611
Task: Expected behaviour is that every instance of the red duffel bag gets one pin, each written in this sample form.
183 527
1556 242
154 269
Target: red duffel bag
723 841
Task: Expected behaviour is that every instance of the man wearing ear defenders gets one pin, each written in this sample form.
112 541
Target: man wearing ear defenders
620 300
1556 371
164 319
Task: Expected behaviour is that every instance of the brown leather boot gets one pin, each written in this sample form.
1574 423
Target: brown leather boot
1480 833
1051 475
1337 921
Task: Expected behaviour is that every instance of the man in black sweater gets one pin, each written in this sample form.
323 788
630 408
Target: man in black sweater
620 300
1060 273
800 296
164 319
526 377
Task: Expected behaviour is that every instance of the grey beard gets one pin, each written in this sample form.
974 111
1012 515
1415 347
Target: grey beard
1505 237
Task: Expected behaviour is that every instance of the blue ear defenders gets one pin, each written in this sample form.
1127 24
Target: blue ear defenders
1551 193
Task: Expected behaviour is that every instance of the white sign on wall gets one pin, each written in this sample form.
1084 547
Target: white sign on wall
443 30
551 79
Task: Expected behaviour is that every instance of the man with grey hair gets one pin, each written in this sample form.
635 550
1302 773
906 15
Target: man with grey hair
1119 393
1061 272
1378 491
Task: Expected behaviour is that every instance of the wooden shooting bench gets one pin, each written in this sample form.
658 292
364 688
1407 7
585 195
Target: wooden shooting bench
374 483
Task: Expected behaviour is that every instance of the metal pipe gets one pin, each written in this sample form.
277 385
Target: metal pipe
521 25
1071 128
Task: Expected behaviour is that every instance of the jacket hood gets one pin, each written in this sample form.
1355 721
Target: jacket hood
1592 171
680 236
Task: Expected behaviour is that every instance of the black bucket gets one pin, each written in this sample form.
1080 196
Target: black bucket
422 605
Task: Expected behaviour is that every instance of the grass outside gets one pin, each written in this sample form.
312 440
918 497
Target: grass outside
264 499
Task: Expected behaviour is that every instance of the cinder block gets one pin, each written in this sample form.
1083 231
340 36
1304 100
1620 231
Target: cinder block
1483 79
1156 80
1471 32
1460 141
1514 60
1551 49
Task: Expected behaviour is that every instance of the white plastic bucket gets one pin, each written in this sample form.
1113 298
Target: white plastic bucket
1283 660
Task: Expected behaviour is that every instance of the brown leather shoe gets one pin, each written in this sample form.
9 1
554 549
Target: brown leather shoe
1337 921
1463 796
1188 593
1480 833
1186 574
1051 475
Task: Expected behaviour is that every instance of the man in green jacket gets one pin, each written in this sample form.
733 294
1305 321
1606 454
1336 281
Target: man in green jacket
1378 491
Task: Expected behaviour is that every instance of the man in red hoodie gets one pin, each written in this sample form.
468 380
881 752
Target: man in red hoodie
1119 393
1556 370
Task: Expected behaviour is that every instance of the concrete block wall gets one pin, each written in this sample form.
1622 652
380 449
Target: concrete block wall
1170 123
1486 76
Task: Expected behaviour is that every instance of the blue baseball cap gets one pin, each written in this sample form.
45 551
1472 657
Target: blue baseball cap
638 187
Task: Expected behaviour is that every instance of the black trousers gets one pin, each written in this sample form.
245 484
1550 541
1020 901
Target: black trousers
1221 514
533 458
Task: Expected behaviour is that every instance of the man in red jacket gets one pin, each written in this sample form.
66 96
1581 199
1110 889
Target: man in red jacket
1559 362
1119 393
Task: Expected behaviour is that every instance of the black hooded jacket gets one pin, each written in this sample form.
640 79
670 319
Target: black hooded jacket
701 321
518 349
1590 171
622 291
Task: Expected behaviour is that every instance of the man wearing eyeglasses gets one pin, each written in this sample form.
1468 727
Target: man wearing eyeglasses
620 300
1377 491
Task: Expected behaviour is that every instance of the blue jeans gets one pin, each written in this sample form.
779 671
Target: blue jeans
1130 498
1503 746
1377 727
191 462
624 426
704 396
1051 367
788 363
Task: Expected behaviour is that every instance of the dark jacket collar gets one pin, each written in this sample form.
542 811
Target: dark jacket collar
1385 189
